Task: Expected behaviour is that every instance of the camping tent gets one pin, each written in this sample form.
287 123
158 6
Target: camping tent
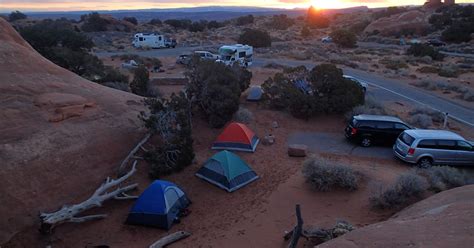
158 206
227 170
303 86
238 137
255 94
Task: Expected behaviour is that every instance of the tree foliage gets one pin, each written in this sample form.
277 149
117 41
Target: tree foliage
171 120
344 38
457 22
305 32
281 22
16 15
155 21
216 89
131 19
255 38
245 20
421 50
93 22
141 78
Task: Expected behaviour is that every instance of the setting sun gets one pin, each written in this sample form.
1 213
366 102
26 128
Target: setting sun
328 4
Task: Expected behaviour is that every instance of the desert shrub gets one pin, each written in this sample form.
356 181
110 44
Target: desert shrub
445 177
440 20
428 69
117 85
281 22
468 96
344 38
449 72
141 78
155 21
243 115
198 26
244 20
458 32
171 120
179 23
216 89
305 32
131 19
421 50
113 75
316 18
435 115
325 175
214 24
16 15
93 22
255 38
408 187
393 64
421 120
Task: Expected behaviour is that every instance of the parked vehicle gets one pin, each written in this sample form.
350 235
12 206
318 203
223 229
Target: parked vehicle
364 85
238 53
368 130
326 39
184 59
152 40
207 55
429 147
436 43
132 64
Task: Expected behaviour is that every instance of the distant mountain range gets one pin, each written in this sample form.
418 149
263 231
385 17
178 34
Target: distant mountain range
218 13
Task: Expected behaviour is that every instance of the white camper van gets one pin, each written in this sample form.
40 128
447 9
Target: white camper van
237 53
152 41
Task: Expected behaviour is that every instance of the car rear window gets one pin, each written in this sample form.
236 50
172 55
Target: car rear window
366 124
427 144
407 139
385 125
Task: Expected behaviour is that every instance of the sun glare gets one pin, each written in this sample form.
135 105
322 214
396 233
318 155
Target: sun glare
327 4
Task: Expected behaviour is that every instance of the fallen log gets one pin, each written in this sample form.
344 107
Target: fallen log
132 152
171 238
297 231
68 213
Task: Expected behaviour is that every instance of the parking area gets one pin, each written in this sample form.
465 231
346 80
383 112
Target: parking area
336 143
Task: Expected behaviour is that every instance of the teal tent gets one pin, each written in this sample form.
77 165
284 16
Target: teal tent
227 171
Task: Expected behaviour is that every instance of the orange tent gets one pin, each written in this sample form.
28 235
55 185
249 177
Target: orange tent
238 137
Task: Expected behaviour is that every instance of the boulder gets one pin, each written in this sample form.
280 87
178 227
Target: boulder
268 140
297 150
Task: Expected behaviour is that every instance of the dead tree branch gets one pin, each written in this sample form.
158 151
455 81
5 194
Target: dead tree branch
68 213
171 238
297 231
132 152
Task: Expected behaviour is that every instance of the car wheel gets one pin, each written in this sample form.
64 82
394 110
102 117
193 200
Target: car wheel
425 162
366 142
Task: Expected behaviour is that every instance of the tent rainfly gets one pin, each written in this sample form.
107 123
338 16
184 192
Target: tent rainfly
158 206
237 137
227 171
255 94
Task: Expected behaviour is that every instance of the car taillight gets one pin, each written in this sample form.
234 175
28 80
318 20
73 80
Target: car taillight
411 151
353 131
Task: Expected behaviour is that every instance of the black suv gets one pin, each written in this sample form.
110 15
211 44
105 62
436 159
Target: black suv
375 129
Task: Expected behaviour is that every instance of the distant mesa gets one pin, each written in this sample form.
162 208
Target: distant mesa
437 3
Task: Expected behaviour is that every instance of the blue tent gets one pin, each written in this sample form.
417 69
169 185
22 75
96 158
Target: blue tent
303 86
255 94
158 206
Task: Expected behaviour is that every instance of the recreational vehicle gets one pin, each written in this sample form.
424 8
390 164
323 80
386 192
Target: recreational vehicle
152 41
237 53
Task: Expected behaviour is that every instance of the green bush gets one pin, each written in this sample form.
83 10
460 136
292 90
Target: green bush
139 84
93 22
344 38
16 15
171 119
216 89
324 175
130 19
245 20
255 38
407 188
421 50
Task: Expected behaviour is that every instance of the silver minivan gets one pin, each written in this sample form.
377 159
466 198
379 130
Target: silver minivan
428 147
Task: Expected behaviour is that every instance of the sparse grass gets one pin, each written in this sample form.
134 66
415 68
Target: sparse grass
436 116
408 187
444 177
243 115
393 64
324 175
428 69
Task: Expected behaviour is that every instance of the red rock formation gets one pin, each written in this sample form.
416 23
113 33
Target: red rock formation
60 134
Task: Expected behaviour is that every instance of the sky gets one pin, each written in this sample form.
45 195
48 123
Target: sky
71 5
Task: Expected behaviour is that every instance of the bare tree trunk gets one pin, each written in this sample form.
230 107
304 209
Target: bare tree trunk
171 238
297 230
132 152
68 212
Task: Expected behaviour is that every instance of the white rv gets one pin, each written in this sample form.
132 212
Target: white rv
142 40
237 53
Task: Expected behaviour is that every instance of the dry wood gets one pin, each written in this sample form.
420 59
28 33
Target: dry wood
68 212
171 238
132 152
297 230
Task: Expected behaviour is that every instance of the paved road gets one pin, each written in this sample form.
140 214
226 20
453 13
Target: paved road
337 144
390 89
382 88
